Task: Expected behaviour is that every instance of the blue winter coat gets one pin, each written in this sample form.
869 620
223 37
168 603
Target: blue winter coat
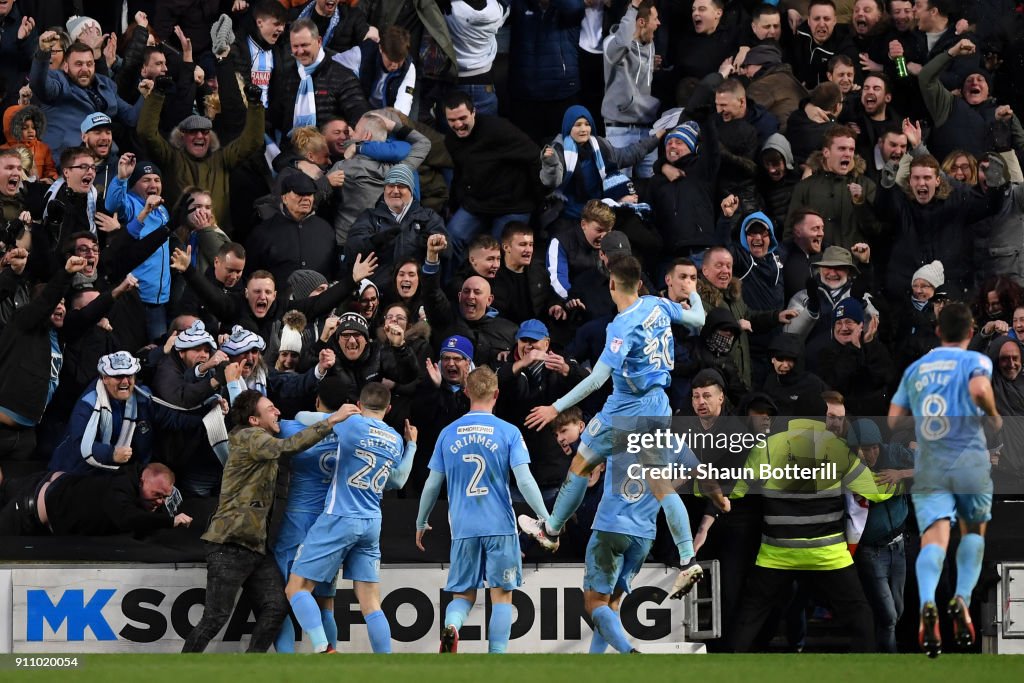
66 104
154 274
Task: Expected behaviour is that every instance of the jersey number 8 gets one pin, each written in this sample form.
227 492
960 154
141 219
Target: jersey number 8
935 425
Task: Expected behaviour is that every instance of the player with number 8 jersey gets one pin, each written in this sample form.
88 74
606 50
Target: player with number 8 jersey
949 392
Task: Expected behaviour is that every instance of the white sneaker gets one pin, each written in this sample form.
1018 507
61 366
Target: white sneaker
687 579
534 528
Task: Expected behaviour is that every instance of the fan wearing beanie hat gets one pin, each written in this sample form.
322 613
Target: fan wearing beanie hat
149 174
115 422
353 335
135 195
77 25
245 348
401 174
305 283
619 188
681 141
856 364
927 279
290 349
195 356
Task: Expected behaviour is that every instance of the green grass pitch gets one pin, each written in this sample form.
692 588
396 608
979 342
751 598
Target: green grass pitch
237 668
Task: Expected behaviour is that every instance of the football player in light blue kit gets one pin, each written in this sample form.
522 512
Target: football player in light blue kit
624 530
347 533
311 474
638 356
474 454
949 390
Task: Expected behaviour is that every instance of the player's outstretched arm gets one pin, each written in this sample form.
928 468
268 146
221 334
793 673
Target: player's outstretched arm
531 492
400 475
431 490
541 416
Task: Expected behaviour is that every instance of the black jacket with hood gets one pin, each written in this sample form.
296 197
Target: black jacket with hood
798 392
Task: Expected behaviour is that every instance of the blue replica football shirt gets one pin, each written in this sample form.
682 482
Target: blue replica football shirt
312 469
367 450
627 505
639 345
476 453
935 389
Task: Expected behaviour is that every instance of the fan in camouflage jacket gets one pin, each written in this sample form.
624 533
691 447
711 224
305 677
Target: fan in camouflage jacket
247 489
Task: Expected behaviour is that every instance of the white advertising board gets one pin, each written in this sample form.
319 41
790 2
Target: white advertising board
151 608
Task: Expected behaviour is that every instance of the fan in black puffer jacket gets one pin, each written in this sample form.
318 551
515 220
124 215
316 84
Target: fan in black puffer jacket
336 93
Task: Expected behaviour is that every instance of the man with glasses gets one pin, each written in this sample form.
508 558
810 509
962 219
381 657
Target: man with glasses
71 206
361 361
136 500
194 155
115 422
397 228
70 94
107 268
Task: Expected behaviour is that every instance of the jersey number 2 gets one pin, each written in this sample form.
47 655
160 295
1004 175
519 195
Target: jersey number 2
474 488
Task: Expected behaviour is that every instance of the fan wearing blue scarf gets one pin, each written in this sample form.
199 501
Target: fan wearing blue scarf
577 162
116 421
308 50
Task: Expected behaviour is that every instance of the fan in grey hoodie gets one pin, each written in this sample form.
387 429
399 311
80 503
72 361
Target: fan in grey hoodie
628 107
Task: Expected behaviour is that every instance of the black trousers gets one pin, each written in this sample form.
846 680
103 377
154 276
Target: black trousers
17 444
228 568
839 588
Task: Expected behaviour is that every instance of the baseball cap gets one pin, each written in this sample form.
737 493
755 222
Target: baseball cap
615 243
95 120
533 329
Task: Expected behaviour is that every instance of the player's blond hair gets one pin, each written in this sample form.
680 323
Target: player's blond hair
481 384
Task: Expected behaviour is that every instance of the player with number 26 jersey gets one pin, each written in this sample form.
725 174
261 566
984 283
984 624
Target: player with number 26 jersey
368 449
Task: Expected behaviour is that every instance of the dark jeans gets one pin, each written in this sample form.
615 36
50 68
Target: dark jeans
883 572
839 588
228 568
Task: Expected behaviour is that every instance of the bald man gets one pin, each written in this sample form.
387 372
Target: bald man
476 319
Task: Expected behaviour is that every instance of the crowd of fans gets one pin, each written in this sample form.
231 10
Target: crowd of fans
261 195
